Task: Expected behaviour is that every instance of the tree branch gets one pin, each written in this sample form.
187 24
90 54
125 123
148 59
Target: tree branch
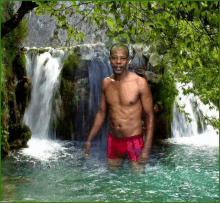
11 24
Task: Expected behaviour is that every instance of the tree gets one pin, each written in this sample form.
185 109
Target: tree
12 23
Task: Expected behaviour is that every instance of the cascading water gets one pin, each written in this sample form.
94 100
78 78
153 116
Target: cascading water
43 71
196 131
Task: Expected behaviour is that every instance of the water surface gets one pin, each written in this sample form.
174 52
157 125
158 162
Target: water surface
56 171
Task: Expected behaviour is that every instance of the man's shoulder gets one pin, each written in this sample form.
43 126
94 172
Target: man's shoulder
105 82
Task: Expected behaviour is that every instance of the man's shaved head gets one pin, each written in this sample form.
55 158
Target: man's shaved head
119 45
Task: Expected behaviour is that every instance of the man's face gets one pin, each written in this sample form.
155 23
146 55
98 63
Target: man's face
119 60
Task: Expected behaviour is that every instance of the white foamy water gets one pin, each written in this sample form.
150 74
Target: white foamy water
43 149
209 138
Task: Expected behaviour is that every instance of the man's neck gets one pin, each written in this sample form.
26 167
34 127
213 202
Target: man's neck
121 77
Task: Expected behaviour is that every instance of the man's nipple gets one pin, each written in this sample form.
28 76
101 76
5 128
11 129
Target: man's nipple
131 102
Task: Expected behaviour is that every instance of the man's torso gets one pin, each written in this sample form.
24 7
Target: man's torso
125 108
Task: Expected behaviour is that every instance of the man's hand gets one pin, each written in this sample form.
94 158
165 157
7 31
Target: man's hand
143 157
86 150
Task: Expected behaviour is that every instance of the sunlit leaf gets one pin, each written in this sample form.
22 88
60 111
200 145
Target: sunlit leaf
110 22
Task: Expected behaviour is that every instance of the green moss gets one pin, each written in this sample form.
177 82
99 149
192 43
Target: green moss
19 65
5 147
165 93
19 132
64 123
70 64
41 51
4 98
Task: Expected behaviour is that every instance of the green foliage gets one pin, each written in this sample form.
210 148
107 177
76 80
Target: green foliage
5 147
12 42
166 92
61 12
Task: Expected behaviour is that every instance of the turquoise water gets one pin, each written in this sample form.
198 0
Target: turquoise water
174 173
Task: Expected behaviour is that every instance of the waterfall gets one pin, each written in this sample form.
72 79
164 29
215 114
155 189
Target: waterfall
97 62
43 71
196 131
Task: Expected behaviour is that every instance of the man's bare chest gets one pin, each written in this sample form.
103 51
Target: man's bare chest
125 94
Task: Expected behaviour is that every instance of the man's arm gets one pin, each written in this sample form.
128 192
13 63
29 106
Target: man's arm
99 119
147 103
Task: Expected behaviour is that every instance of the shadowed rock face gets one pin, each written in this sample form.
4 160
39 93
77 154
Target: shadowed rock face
43 31
19 134
98 67
23 94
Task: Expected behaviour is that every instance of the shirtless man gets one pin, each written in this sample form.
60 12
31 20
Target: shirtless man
125 93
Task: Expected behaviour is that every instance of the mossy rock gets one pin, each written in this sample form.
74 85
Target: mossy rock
164 91
16 144
69 67
19 65
23 95
5 147
19 134
4 97
41 51
4 120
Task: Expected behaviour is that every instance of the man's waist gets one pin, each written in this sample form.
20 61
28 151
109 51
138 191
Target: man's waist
125 138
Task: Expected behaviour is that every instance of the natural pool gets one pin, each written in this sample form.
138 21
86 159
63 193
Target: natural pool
56 171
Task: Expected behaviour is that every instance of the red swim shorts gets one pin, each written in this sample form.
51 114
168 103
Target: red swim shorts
118 147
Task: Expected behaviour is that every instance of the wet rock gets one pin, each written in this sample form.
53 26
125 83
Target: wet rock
19 65
23 95
5 147
19 134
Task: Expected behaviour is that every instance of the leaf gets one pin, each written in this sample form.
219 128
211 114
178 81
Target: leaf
74 37
63 18
118 20
188 44
109 33
66 12
39 11
147 23
149 6
111 22
96 12
197 14
139 23
190 63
